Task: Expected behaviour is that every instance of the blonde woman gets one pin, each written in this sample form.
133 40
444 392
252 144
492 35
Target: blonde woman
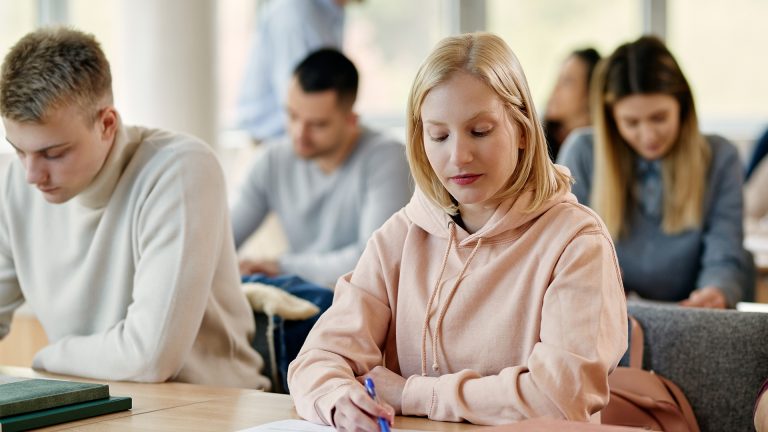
493 296
670 196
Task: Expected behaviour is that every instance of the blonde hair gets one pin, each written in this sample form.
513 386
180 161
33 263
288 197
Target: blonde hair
646 66
488 58
50 68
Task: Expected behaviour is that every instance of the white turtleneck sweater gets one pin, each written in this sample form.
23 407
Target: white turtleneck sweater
136 277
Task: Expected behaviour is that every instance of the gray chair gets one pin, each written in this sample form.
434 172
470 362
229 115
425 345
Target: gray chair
718 358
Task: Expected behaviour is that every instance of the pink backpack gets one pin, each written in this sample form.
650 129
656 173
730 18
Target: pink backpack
644 399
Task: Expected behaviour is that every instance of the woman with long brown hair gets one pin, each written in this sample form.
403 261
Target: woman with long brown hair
670 196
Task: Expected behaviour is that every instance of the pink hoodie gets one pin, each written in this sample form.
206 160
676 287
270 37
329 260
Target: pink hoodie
528 318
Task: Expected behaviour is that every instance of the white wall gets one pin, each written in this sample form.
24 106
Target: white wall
165 76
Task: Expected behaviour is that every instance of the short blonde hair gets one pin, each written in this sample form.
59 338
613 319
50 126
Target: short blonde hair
50 68
488 58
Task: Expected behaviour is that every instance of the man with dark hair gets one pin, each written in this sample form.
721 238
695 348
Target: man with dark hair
286 32
331 183
116 236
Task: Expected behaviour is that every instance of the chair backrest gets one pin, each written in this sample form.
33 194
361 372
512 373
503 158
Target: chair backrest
718 358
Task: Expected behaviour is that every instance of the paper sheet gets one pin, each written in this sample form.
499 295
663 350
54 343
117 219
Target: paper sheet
752 307
289 425
299 426
756 243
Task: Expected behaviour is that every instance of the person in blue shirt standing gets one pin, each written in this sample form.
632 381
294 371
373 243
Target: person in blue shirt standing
286 32
670 196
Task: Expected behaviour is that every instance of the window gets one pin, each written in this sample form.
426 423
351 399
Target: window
98 18
235 21
17 18
388 46
543 33
722 58
724 62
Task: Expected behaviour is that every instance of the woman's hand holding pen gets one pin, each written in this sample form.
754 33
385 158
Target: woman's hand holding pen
356 411
389 387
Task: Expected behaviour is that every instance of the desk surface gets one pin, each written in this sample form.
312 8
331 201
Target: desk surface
195 408
147 398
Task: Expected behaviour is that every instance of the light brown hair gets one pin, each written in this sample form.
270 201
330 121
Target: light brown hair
646 66
50 68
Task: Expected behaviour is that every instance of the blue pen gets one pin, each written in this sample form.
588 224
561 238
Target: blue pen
383 424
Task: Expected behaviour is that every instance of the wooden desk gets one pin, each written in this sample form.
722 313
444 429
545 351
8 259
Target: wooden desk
147 398
175 407
25 339
231 414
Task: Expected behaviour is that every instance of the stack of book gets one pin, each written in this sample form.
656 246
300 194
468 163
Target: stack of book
28 403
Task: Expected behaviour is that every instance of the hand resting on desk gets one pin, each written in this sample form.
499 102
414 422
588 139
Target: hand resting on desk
708 297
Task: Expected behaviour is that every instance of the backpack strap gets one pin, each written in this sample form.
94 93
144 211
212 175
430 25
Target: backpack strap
682 402
636 340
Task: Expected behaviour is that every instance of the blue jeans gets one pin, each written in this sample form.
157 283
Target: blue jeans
289 335
625 358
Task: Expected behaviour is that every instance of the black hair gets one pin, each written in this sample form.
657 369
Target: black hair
590 57
328 69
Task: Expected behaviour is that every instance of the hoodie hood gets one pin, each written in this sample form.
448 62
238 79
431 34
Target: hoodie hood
510 215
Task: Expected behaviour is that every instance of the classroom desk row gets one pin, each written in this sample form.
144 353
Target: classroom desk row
188 407
174 407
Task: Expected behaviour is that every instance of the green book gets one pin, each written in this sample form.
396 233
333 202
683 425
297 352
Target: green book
22 395
52 416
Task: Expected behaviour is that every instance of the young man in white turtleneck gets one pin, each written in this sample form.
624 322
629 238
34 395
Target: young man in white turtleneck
117 237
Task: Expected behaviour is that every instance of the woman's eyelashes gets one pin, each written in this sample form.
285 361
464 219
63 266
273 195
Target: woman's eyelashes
477 133
438 138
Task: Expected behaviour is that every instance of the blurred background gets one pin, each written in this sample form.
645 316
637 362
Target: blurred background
179 63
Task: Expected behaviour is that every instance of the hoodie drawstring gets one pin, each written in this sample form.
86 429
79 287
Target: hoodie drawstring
435 290
448 298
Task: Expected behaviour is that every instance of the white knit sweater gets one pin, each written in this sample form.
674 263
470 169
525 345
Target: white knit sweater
136 277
